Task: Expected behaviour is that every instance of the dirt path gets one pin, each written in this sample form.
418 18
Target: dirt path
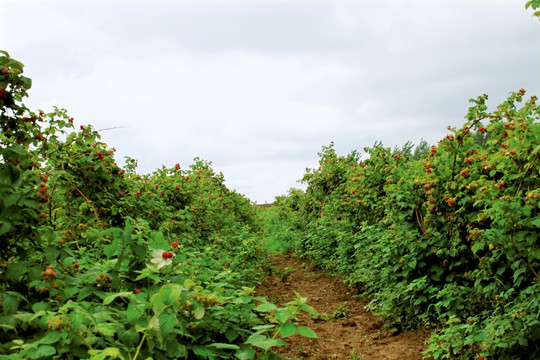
349 333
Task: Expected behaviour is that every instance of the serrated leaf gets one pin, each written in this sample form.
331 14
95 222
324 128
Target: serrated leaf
130 337
175 349
166 322
265 307
288 329
106 329
42 351
170 294
50 338
305 331
133 312
283 315
10 303
247 353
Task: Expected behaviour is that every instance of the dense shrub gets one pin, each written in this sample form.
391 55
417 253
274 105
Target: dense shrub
101 262
449 240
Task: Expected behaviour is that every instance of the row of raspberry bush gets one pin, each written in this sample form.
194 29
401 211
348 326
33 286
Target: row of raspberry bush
449 240
101 262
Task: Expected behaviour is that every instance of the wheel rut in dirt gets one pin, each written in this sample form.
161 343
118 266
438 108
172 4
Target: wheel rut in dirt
344 328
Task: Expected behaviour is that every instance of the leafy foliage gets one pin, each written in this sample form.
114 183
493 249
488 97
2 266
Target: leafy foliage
100 262
448 240
534 4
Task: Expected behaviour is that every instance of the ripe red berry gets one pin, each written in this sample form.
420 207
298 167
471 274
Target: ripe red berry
165 255
138 193
136 291
4 71
43 189
174 244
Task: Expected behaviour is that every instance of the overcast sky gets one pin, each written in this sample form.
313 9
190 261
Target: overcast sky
258 87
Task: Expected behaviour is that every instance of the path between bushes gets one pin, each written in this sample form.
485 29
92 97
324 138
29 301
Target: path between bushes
349 333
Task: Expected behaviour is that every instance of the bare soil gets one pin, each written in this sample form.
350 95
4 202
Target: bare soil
350 332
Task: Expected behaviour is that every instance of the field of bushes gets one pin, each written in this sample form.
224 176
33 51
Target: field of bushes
99 262
443 236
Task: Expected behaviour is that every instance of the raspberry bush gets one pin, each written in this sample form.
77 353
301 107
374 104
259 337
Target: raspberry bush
101 262
449 241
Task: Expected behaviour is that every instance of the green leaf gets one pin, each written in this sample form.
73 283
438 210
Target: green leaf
263 342
106 329
50 338
283 315
10 303
188 284
288 329
134 312
170 294
16 270
112 249
52 253
175 349
307 332
4 227
265 307
11 199
42 351
224 346
109 299
198 312
231 334
478 245
129 337
166 322
246 353
105 353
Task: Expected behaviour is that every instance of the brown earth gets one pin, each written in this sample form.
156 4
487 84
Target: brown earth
350 332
